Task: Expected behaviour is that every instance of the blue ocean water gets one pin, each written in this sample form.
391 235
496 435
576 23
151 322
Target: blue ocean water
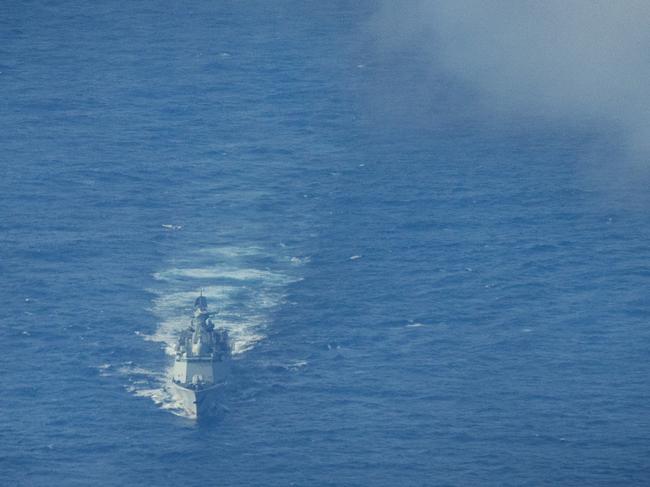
411 303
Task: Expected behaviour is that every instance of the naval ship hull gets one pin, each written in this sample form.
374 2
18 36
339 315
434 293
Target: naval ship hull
201 364
199 403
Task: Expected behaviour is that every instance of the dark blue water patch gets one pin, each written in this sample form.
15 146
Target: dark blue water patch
471 311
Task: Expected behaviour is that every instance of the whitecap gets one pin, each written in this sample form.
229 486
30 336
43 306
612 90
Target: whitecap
221 272
231 251
415 325
298 364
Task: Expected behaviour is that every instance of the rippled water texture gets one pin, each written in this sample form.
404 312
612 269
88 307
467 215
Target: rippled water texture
410 303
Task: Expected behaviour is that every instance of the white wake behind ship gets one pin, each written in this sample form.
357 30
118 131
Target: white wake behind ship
201 363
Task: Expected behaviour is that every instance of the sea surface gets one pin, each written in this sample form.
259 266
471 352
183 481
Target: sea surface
414 299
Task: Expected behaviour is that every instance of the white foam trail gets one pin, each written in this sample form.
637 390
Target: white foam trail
300 260
233 252
242 293
160 392
222 273
415 325
298 364
153 384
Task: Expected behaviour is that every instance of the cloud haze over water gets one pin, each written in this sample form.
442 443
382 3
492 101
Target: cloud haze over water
582 62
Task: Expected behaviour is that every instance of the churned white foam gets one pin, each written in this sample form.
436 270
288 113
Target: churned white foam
104 370
222 273
133 370
241 292
160 392
184 300
142 382
233 252
298 364
414 325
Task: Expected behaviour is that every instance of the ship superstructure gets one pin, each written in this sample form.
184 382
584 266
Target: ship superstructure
201 363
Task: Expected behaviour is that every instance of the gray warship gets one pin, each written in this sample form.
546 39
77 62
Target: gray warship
201 364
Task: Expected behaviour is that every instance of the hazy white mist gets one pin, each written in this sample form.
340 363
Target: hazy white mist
583 62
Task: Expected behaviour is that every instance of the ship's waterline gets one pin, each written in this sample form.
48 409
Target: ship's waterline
201 362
